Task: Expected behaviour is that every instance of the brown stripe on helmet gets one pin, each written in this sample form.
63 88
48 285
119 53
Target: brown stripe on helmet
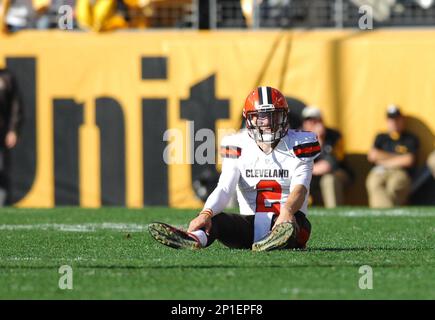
269 95
260 95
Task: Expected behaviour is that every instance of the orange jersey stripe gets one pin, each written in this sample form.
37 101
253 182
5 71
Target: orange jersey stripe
230 152
308 150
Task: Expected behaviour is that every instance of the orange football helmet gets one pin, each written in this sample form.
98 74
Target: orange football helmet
266 113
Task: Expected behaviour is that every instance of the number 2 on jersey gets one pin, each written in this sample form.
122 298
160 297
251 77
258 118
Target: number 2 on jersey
268 196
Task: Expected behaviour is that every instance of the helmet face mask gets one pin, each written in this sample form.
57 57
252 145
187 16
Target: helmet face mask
267 126
266 113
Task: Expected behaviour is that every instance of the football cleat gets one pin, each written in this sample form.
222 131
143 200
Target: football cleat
173 237
276 239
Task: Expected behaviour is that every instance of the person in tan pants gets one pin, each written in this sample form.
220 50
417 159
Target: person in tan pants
330 175
393 154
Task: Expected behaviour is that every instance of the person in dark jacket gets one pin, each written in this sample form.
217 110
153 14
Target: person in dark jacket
393 155
10 120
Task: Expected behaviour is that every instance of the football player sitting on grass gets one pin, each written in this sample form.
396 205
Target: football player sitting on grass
271 168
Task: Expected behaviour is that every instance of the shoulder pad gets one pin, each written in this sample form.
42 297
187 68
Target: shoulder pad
231 146
305 144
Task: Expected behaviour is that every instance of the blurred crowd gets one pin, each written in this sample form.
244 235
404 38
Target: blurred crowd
107 15
96 15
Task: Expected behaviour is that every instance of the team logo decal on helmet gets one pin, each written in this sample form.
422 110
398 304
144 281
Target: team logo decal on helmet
265 112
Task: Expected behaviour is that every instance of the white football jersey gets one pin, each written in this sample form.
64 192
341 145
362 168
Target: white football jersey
263 181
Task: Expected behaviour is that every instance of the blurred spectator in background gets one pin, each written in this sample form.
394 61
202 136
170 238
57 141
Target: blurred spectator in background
139 13
431 163
394 155
47 12
107 15
247 7
10 118
16 15
101 15
330 175
163 13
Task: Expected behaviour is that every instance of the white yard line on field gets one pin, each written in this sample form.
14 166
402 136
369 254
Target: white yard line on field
85 227
402 212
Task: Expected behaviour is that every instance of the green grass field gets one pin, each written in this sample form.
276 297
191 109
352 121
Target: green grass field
113 257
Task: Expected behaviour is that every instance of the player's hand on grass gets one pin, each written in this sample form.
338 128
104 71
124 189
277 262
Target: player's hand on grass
291 206
286 216
203 221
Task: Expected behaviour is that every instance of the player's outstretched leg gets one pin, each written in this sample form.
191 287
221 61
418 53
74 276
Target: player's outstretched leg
285 235
173 237
233 230
278 238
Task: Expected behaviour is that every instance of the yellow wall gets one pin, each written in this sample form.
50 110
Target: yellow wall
350 75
